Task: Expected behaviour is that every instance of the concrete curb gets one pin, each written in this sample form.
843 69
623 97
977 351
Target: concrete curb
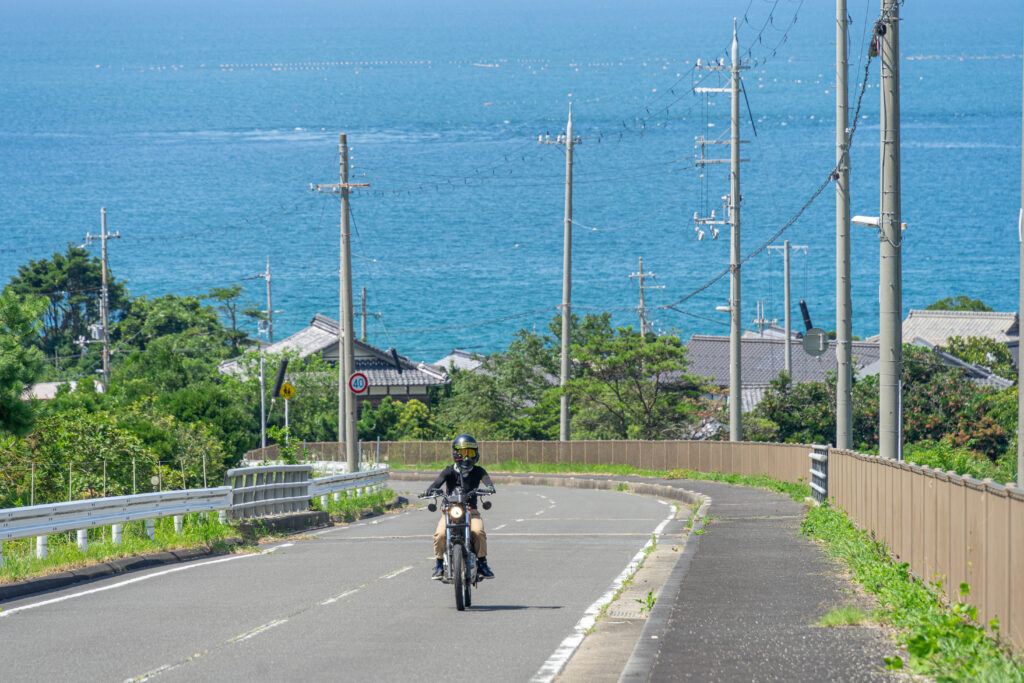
645 653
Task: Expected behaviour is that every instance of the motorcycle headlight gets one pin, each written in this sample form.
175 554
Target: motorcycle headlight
456 512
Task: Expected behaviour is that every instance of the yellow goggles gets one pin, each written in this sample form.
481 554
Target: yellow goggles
466 452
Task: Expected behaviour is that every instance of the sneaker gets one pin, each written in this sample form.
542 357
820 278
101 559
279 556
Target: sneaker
483 569
438 570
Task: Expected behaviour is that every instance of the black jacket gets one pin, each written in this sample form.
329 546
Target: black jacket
450 478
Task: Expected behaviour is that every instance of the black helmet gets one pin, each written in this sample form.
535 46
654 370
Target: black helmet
465 452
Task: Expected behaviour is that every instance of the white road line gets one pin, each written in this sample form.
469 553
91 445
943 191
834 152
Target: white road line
538 512
396 573
556 662
499 527
152 674
258 630
328 601
519 520
137 579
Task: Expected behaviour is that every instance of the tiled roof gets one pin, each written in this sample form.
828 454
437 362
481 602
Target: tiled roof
378 365
763 358
937 327
459 359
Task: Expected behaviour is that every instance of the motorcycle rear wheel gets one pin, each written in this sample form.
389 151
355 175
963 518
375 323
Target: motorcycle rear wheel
459 579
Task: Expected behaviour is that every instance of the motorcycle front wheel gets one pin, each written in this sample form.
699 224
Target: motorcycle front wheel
459 579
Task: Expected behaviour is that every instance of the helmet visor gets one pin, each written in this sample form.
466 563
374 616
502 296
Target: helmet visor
461 453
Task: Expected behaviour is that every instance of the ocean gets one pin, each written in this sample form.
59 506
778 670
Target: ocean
200 127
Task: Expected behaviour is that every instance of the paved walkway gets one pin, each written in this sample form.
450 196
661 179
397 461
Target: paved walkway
748 592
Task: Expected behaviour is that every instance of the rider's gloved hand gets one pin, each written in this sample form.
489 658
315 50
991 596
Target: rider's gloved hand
490 489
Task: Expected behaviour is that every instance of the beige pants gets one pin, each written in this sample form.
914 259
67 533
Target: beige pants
476 535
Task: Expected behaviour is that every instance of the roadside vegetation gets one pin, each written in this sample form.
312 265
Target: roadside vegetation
941 640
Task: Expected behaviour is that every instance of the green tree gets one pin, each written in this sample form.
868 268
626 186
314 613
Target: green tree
71 281
20 362
631 387
227 302
985 352
795 413
958 303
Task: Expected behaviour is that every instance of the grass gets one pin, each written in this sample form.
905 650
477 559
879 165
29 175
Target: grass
198 530
942 641
850 615
349 509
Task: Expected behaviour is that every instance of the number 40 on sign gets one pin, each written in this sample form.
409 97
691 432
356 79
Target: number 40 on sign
358 383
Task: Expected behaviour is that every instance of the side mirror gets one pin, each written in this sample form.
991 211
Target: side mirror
487 505
432 507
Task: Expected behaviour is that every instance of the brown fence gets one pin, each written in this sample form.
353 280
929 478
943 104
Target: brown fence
787 462
945 526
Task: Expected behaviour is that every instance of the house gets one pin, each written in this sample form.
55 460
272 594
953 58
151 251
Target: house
460 360
936 327
47 391
388 373
763 358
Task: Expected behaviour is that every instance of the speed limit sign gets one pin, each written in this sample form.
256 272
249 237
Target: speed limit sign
358 383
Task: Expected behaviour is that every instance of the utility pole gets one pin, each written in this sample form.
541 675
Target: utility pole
844 305
363 314
785 249
270 308
642 310
733 220
1020 319
568 140
890 295
104 289
346 354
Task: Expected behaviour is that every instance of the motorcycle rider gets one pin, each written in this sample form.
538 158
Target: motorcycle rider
466 455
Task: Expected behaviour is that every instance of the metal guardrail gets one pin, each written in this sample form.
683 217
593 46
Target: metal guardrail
321 486
819 473
249 492
263 491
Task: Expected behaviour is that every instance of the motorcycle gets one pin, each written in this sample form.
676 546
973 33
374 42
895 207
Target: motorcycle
460 565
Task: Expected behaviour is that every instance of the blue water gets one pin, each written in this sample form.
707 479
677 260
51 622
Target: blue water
201 127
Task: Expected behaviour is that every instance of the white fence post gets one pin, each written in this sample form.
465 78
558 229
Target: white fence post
337 496
116 533
222 516
42 547
151 529
83 540
323 501
178 523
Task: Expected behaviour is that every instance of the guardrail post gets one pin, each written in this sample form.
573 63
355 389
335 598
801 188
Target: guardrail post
179 522
151 529
337 496
83 540
819 473
222 516
1 553
116 532
323 501
42 547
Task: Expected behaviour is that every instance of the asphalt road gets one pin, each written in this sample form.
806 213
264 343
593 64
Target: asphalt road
351 602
